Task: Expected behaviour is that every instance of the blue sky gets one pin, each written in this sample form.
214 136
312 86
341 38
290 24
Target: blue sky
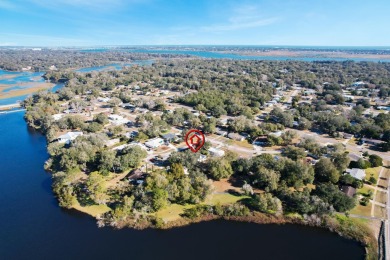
180 22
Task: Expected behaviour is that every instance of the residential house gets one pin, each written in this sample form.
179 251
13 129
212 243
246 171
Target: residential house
236 137
170 137
117 119
371 141
347 136
154 143
359 174
221 132
216 152
68 137
348 190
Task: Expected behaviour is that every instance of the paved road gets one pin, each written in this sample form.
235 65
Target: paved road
387 229
242 151
323 139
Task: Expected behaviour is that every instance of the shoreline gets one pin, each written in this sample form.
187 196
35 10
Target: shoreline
346 227
35 87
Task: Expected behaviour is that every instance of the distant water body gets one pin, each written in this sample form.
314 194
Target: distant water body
219 55
21 77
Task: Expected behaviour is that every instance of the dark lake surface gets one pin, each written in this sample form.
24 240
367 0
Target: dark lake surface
32 226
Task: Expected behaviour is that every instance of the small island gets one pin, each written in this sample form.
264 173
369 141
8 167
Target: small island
283 142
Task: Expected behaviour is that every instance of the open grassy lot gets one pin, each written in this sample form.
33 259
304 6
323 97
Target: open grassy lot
383 183
173 211
224 199
94 210
362 210
364 190
244 144
374 171
379 212
381 197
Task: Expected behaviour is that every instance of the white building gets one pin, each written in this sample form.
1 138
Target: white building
118 120
112 142
68 137
57 117
216 152
357 173
103 99
155 142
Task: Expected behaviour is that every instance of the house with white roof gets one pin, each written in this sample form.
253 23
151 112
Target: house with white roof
57 117
359 174
68 137
154 143
216 152
118 120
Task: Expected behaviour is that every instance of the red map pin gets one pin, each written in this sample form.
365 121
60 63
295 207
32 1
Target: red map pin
194 140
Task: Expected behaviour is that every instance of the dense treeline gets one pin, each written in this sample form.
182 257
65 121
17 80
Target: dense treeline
42 60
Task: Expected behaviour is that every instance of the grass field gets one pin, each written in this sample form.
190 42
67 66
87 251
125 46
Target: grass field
383 183
379 212
94 210
374 171
224 199
362 210
381 197
173 211
364 190
244 144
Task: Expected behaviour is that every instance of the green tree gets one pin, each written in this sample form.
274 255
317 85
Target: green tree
326 171
219 169
375 160
294 153
159 199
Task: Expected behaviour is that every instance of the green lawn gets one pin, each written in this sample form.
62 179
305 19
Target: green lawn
379 212
374 171
224 199
364 190
94 210
173 211
362 210
243 144
381 197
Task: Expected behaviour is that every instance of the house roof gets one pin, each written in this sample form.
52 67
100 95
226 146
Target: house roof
169 136
359 174
235 136
348 190
70 135
216 151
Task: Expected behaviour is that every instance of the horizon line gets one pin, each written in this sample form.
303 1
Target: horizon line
193 45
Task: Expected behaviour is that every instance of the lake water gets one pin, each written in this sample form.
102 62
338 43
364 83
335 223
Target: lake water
34 227
218 55
21 77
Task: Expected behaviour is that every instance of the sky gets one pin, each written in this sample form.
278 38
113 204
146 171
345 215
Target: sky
194 22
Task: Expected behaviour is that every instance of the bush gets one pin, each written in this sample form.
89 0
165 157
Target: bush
364 201
372 180
375 160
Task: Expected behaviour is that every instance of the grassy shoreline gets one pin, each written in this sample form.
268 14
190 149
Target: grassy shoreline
347 227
